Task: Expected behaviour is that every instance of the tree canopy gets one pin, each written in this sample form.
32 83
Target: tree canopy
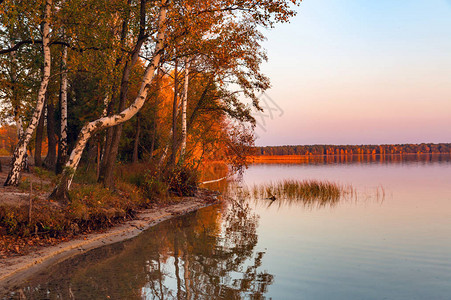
89 66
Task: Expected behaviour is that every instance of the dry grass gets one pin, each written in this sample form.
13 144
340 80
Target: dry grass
92 208
310 193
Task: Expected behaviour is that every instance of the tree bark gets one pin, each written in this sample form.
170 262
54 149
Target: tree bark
199 105
184 104
38 147
15 100
155 119
14 174
19 125
136 143
63 147
50 159
98 159
154 138
107 173
110 109
61 190
174 118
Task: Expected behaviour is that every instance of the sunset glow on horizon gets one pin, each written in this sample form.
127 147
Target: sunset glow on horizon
361 72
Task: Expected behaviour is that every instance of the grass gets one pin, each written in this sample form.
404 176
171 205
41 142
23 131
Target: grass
311 193
92 207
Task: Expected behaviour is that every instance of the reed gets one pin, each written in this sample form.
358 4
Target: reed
311 193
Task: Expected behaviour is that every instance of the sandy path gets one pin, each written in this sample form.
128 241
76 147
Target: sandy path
16 269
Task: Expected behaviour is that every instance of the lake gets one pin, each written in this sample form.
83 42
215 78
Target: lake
390 239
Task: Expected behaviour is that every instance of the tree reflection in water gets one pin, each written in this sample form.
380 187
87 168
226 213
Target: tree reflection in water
209 254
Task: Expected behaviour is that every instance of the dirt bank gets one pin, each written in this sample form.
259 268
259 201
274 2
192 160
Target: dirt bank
16 269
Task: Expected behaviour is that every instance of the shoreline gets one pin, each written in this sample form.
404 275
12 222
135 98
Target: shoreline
299 159
17 269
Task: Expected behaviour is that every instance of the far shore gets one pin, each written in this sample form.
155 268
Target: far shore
257 159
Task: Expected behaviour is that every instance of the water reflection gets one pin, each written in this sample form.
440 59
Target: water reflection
205 255
420 158
341 249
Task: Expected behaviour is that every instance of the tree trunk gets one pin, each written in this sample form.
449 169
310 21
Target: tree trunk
61 190
107 174
14 98
174 118
106 152
155 118
38 147
19 124
50 159
62 149
110 131
154 138
184 104
21 148
90 159
98 159
136 144
199 105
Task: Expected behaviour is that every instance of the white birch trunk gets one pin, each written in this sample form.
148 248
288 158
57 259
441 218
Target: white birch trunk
63 142
19 125
60 192
165 151
106 100
21 148
164 154
184 104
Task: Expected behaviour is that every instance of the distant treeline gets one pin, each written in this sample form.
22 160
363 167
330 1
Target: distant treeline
354 149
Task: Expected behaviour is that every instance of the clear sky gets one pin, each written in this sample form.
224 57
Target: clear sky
360 72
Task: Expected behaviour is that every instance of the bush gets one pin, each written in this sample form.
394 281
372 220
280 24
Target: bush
183 180
154 187
134 173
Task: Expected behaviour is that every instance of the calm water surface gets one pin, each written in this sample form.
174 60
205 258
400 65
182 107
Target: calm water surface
392 240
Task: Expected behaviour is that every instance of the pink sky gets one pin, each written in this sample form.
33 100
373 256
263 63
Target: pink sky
359 72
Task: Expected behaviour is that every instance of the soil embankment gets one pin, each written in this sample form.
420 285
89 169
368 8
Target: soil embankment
95 218
16 269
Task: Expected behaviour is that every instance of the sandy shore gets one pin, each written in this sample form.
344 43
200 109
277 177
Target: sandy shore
16 269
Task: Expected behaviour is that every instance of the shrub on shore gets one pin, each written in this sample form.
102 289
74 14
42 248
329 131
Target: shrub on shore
180 180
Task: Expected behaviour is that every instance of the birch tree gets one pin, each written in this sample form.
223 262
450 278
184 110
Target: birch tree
212 20
20 68
184 107
61 190
175 111
113 138
13 177
63 147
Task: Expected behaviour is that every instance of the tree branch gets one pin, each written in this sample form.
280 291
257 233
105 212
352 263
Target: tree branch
28 42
